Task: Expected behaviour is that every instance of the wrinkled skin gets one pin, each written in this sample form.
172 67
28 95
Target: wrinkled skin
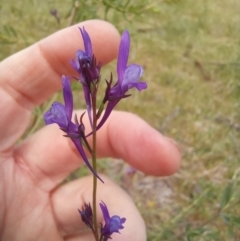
34 206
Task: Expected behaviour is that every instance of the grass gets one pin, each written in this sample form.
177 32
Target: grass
191 55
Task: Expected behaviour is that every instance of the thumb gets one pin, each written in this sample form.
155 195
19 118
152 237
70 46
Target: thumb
72 196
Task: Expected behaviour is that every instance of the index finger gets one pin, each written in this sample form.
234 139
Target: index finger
32 75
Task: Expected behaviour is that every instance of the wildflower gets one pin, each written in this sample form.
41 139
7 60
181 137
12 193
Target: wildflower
131 170
88 70
87 215
54 13
62 114
128 78
112 224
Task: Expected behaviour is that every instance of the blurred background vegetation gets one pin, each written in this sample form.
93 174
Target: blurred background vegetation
190 51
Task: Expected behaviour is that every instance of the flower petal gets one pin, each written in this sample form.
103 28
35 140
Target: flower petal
131 78
74 64
87 42
84 157
57 114
79 56
116 223
105 213
68 96
112 224
123 55
109 108
138 85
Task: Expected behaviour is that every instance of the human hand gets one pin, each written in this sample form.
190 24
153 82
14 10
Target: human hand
34 206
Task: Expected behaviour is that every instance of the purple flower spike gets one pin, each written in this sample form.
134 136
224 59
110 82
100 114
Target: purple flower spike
88 70
87 215
62 114
128 78
112 224
85 56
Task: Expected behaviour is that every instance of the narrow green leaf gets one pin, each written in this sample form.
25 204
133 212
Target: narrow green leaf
236 220
225 218
227 194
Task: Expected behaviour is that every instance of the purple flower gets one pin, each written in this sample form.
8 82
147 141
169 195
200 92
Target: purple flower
62 114
128 78
87 215
88 70
131 170
54 12
112 224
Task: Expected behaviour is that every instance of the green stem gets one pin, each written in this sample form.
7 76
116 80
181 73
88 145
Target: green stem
94 165
73 13
101 238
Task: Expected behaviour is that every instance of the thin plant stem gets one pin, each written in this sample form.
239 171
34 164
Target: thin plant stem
94 165
73 13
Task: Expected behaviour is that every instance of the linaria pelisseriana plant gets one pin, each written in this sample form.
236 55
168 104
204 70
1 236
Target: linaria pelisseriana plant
88 70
